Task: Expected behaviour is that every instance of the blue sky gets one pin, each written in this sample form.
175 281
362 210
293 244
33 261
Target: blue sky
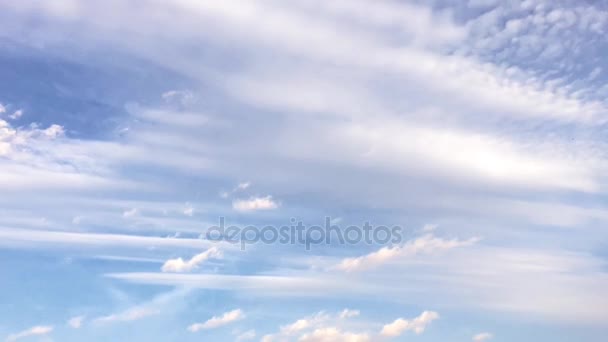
129 128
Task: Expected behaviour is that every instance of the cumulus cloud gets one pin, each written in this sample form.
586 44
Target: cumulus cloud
482 337
348 313
297 327
255 203
17 141
417 325
426 244
16 114
320 327
179 265
332 334
218 321
33 331
76 322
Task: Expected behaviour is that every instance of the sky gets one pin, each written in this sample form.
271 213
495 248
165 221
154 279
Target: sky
471 134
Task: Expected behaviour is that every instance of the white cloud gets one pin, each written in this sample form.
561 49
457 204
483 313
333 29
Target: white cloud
33 331
129 315
482 337
426 244
332 334
218 321
418 324
179 265
348 313
246 336
243 186
76 322
188 210
130 212
2 108
58 239
255 203
183 97
16 114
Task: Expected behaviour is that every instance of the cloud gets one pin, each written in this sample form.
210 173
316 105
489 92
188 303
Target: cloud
426 244
182 97
130 213
218 321
347 313
255 203
239 187
76 322
179 265
188 210
28 238
418 324
482 337
129 315
243 186
333 335
33 331
16 114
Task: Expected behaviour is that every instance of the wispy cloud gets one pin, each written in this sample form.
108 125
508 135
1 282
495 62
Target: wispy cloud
133 314
482 337
426 244
39 330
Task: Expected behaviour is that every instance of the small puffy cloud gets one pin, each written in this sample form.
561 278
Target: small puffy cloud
417 325
332 334
347 313
33 331
54 131
218 321
255 203
246 336
130 213
243 186
16 114
2 108
76 322
426 244
15 139
188 210
180 265
298 327
482 337
133 314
